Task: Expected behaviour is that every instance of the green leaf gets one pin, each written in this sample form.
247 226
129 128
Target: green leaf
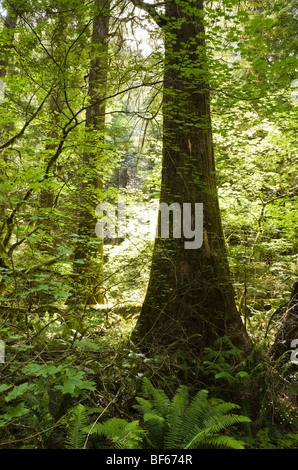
64 251
18 391
73 383
43 370
4 387
15 411
87 344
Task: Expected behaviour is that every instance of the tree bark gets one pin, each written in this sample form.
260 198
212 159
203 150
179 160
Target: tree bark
47 195
90 256
190 294
10 23
288 330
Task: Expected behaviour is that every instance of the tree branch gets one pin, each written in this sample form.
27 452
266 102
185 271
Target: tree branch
151 9
12 140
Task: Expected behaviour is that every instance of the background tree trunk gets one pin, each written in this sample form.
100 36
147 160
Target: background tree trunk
57 106
190 294
288 330
10 23
91 254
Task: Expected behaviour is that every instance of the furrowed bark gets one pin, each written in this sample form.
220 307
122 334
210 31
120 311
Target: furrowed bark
190 294
88 256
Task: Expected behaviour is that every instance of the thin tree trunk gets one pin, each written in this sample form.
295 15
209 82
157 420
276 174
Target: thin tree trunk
10 23
190 294
47 195
88 255
288 330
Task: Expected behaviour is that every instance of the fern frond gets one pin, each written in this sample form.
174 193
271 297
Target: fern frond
112 428
219 424
225 375
156 427
179 424
121 433
225 341
176 415
215 409
144 406
76 432
195 412
220 440
158 398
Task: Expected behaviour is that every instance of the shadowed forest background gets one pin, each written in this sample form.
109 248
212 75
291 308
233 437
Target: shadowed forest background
136 342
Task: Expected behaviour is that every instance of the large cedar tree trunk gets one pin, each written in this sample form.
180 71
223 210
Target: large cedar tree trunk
190 294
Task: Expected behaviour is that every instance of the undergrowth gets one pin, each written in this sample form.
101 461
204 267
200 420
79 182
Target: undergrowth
62 387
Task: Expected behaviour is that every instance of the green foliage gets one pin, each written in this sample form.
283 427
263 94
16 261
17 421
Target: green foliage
187 423
59 352
268 438
119 433
231 368
76 423
42 401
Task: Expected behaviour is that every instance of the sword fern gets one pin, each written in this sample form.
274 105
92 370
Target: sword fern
187 423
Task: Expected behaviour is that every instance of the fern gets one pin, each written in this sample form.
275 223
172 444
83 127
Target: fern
156 424
157 397
76 429
210 432
120 433
223 441
195 412
176 416
182 423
